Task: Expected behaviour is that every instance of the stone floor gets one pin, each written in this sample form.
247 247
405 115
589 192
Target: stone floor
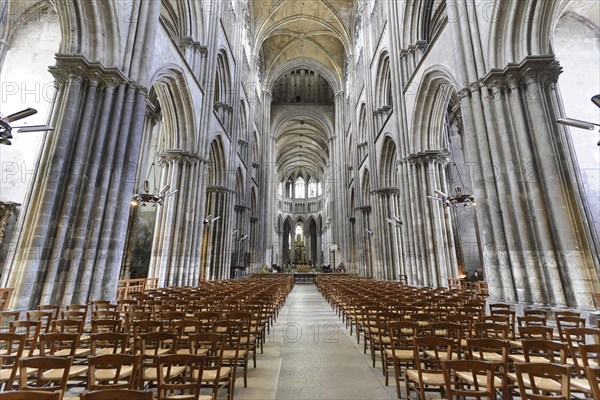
310 355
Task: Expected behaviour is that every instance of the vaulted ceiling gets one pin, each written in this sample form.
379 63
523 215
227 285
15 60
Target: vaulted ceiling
312 34
292 30
301 147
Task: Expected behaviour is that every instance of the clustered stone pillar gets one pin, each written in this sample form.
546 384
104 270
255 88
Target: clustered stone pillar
174 249
549 255
529 211
215 258
432 253
75 228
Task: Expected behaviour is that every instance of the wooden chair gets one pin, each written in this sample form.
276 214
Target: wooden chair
428 376
109 343
401 352
176 384
589 357
53 308
118 394
31 330
537 380
6 317
492 330
568 321
12 345
45 317
30 395
541 351
112 371
62 345
48 373
183 329
576 337
238 327
495 351
529 320
469 379
215 375
106 325
511 315
532 332
152 345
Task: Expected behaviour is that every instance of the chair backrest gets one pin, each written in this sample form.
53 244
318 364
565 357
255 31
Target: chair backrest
576 337
536 373
535 332
590 354
492 330
536 313
42 364
112 371
482 348
106 325
45 317
462 378
31 395
207 320
73 314
568 321
108 342
511 318
106 314
53 308
559 314
547 349
6 317
430 351
172 379
529 320
51 343
498 306
153 344
118 394
68 326
31 330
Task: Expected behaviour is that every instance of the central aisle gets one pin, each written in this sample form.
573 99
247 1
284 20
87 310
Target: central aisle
310 355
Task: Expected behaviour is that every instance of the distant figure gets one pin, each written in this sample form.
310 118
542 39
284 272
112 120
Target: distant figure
342 268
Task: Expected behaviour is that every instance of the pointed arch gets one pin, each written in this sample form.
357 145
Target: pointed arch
436 92
366 188
177 105
389 176
216 163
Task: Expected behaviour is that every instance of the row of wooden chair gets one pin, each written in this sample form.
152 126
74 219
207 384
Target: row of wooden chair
129 343
394 334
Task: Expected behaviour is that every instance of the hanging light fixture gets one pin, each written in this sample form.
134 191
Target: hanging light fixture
157 198
459 197
576 123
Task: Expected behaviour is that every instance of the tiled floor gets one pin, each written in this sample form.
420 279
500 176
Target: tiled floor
310 355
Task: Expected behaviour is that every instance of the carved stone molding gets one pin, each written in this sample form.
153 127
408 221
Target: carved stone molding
218 189
542 69
69 66
176 155
441 156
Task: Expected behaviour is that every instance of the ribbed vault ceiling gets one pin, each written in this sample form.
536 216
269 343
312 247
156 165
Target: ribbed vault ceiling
287 33
301 145
294 29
